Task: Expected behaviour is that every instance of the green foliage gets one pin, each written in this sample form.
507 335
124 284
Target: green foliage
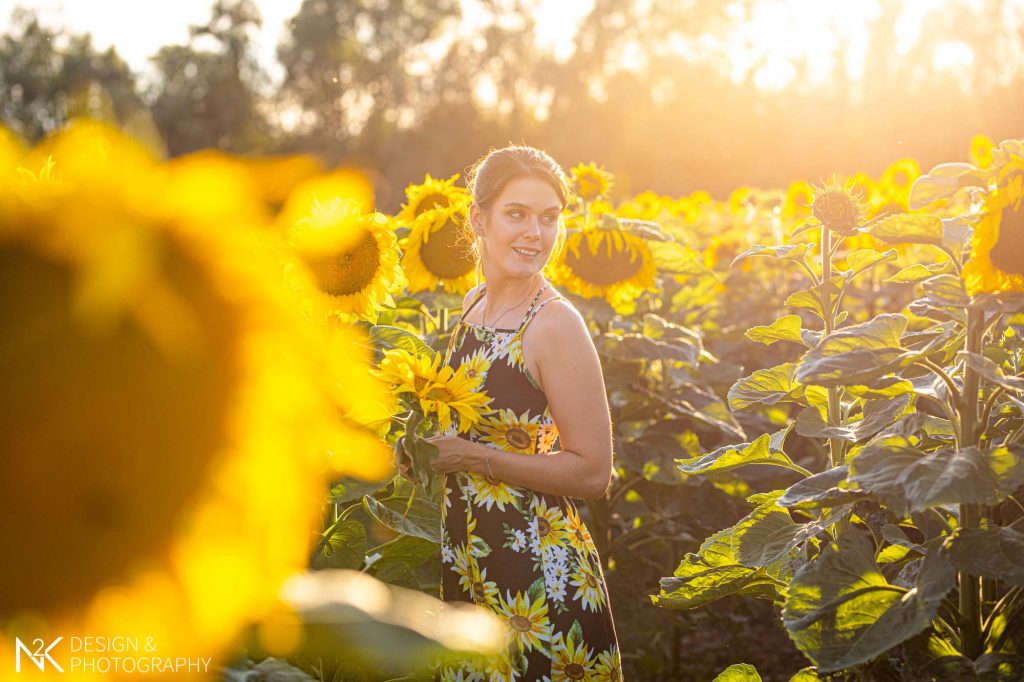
842 611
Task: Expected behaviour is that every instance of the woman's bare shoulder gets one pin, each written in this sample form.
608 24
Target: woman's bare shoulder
557 316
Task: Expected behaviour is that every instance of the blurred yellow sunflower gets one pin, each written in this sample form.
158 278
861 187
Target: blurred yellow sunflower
157 375
981 151
351 279
607 263
433 193
796 205
592 182
997 246
439 390
892 191
437 252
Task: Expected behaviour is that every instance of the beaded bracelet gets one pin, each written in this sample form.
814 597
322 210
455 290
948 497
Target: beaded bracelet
490 474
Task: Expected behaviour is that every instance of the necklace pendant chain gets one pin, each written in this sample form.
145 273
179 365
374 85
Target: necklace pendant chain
494 322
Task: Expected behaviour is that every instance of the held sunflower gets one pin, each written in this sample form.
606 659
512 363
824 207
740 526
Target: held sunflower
997 245
437 252
438 390
157 376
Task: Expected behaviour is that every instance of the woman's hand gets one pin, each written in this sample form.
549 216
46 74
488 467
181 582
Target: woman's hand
454 454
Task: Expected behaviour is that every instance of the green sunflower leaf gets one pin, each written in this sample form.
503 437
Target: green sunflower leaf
793 252
384 336
877 415
714 572
766 449
786 328
908 228
857 354
841 611
991 371
420 518
865 259
738 672
990 552
766 387
907 479
826 489
345 547
940 182
918 272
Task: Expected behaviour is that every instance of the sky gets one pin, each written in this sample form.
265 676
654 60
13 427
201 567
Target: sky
139 28
764 45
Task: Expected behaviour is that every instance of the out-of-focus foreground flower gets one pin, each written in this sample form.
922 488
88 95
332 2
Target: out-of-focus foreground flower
166 414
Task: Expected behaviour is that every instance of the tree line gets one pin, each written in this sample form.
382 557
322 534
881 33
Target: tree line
389 85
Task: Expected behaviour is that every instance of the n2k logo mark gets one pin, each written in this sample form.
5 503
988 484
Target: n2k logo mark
40 656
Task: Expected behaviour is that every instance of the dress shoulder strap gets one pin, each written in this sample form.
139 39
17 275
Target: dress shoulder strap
536 307
476 299
460 328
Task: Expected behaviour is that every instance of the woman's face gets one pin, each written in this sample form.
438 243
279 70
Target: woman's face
519 230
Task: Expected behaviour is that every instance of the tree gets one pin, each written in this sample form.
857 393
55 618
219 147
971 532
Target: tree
48 77
207 96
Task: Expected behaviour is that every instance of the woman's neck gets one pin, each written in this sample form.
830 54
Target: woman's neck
504 295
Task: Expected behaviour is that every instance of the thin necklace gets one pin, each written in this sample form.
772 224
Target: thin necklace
483 313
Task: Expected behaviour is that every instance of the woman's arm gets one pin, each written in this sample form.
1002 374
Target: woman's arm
562 358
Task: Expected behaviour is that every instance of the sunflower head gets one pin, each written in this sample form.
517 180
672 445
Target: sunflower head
981 151
609 263
351 258
837 208
997 245
431 194
165 386
591 181
439 251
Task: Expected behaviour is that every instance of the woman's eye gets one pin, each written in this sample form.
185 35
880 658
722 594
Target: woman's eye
515 215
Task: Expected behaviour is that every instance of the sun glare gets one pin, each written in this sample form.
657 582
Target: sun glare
776 43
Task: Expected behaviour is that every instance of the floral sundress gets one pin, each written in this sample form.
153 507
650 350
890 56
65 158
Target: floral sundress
525 555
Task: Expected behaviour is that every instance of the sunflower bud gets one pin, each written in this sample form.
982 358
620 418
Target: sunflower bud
836 208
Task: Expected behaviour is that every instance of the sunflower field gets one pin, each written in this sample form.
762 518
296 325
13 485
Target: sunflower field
213 366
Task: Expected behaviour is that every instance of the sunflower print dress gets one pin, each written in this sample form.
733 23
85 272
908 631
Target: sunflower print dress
525 555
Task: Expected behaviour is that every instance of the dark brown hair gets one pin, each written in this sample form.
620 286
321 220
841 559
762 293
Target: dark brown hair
488 176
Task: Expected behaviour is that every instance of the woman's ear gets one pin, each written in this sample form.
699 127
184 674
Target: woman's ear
476 219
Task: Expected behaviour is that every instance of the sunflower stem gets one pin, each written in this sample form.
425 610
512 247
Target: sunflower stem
835 416
970 514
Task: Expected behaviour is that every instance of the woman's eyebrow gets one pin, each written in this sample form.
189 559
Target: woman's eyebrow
518 204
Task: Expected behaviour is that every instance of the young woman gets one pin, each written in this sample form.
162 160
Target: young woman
513 540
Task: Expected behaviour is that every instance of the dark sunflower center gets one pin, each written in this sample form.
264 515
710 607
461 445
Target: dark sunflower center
123 432
591 581
601 268
350 271
574 671
1008 252
444 256
478 591
543 526
520 623
518 438
441 393
431 201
